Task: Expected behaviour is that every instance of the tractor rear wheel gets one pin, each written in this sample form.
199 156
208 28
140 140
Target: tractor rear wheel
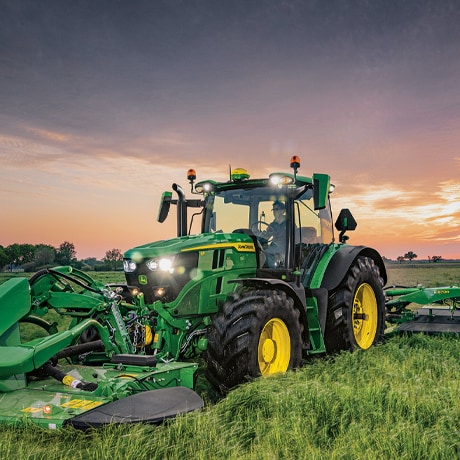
356 310
255 333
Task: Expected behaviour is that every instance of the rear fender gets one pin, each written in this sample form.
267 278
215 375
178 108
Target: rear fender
342 260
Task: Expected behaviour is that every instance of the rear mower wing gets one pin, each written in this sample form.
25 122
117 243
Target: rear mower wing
400 297
420 309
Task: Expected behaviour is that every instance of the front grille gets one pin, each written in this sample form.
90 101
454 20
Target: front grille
151 282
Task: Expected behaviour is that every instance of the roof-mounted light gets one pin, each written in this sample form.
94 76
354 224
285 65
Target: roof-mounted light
191 175
279 180
295 165
295 162
204 187
239 174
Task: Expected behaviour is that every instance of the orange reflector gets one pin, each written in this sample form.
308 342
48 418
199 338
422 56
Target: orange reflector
47 410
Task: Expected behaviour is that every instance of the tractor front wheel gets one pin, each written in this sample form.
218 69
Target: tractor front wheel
356 311
257 333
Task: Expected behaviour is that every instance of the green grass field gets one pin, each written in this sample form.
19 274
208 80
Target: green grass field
433 275
398 400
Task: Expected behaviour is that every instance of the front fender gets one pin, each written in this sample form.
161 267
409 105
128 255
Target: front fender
292 290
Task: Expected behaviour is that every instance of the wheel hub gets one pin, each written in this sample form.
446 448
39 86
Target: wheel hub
274 350
268 350
365 316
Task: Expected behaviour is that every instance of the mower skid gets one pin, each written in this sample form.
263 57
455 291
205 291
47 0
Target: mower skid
433 320
153 407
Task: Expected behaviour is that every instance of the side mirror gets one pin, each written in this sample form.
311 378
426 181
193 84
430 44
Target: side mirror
345 222
165 204
321 187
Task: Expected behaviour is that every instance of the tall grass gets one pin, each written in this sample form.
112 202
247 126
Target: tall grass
398 400
395 401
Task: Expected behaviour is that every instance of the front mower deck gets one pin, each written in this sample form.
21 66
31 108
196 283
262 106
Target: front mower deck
124 394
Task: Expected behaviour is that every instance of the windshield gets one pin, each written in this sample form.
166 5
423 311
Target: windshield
241 208
256 208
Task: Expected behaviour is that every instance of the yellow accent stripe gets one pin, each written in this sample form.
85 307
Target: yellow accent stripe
240 247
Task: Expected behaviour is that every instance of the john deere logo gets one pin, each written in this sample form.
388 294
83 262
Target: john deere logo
245 247
142 279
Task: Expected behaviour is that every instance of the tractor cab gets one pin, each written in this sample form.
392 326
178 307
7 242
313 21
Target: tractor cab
283 214
277 218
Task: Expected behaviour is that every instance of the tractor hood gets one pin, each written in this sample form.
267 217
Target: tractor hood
238 241
162 270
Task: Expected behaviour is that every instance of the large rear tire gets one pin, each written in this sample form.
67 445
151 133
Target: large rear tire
356 310
255 333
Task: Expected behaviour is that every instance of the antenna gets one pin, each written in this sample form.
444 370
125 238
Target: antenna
230 172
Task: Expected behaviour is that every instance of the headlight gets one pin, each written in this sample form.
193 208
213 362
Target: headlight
164 264
281 179
204 187
129 266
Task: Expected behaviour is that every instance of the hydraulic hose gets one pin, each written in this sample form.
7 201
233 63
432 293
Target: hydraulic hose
67 379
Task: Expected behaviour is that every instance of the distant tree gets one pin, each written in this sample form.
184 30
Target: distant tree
113 258
19 254
66 253
13 253
90 261
434 259
410 256
400 259
44 255
3 257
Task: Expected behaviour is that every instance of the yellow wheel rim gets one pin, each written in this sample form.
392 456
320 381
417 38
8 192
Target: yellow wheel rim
274 350
365 316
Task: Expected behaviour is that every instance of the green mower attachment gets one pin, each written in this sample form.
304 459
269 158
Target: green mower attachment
51 381
439 311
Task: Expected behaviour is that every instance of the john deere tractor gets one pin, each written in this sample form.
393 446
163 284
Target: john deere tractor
250 293
251 296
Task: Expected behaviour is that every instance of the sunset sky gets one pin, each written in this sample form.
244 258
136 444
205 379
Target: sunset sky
105 103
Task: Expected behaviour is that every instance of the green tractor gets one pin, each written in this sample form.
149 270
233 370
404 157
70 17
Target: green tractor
251 295
254 296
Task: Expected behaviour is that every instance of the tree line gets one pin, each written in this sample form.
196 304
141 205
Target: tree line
30 258
410 256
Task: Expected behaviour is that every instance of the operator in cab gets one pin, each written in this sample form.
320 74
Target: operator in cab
275 235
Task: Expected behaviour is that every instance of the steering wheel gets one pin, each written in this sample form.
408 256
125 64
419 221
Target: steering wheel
255 226
263 241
